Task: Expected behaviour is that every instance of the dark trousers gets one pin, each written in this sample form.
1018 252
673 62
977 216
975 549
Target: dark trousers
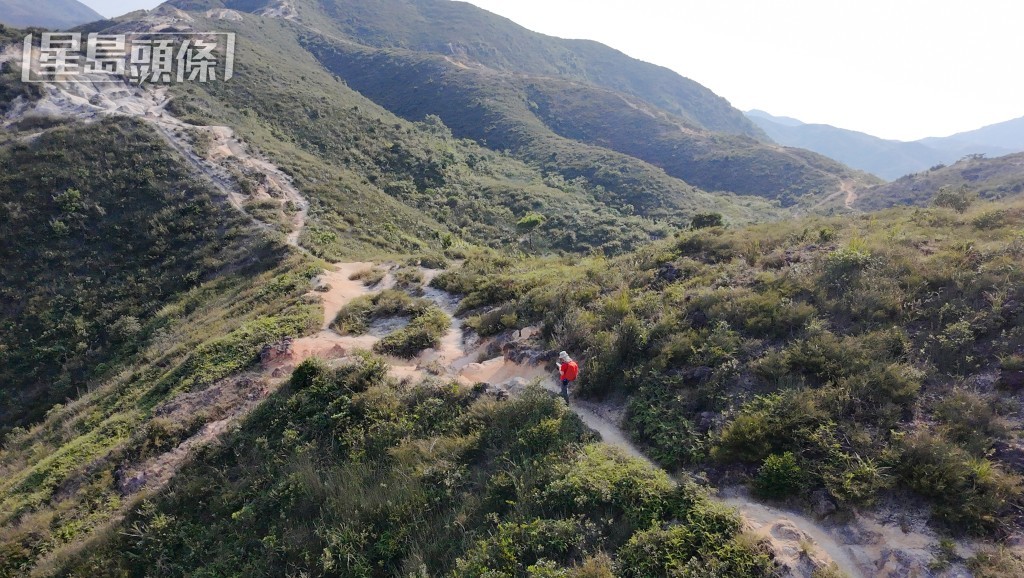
565 390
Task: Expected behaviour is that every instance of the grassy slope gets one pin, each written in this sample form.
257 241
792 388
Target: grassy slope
344 473
492 105
101 228
473 35
500 111
873 349
137 286
713 162
381 184
993 178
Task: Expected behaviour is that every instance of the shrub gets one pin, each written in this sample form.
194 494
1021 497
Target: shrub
518 545
356 316
423 332
610 488
959 199
779 476
369 277
972 495
707 220
679 551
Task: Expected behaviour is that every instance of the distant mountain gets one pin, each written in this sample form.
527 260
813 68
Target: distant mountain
52 14
990 178
890 159
572 107
1004 136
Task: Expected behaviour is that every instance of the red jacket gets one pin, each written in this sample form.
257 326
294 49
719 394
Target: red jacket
569 370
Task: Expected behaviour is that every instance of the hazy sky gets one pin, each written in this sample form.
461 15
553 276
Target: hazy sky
901 69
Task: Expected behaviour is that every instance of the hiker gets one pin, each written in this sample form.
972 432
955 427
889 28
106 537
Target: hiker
568 371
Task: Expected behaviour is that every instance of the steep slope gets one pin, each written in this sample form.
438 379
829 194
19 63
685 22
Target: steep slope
51 14
353 158
994 178
475 37
580 130
95 243
488 101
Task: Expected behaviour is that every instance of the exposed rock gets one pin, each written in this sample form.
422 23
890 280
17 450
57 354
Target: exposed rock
707 421
131 484
224 14
822 504
275 351
520 352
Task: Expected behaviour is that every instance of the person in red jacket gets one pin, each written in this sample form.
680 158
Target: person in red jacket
568 371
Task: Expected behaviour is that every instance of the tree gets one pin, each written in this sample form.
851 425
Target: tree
706 220
959 199
530 223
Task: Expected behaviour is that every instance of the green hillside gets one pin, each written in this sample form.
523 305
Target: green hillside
101 229
371 174
853 357
473 36
483 89
588 132
343 473
567 198
990 178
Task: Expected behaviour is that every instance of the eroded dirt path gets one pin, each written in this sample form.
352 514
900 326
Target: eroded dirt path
242 175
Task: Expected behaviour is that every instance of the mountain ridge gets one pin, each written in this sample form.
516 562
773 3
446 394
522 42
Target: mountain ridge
891 159
55 14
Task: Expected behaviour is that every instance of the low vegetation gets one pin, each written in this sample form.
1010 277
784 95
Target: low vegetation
94 243
854 356
346 473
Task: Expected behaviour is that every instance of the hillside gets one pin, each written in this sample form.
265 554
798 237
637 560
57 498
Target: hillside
50 14
890 159
991 140
475 37
303 323
489 102
994 178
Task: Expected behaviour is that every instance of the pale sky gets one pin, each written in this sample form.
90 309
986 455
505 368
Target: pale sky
902 69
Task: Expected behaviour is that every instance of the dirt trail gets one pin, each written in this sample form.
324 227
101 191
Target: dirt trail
867 546
215 152
851 193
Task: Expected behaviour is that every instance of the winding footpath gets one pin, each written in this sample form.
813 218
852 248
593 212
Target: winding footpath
862 548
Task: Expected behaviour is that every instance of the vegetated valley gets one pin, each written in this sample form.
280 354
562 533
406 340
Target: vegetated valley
202 374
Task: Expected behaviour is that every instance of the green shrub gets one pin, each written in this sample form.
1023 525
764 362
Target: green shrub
974 495
409 279
370 277
356 316
779 476
423 332
707 220
518 545
680 551
959 199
